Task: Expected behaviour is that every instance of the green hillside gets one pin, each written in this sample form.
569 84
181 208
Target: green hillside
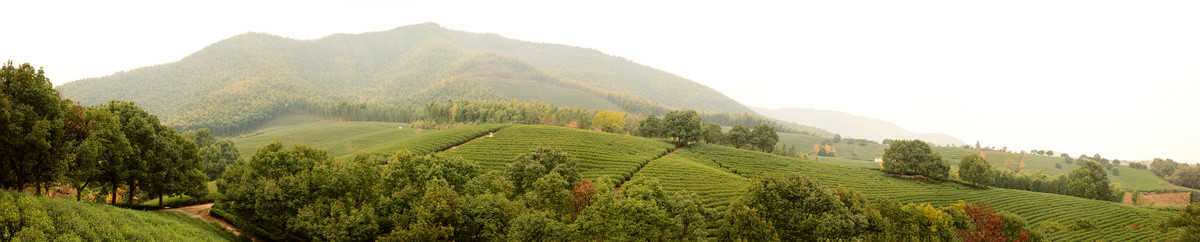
46 219
337 137
1114 219
600 154
248 79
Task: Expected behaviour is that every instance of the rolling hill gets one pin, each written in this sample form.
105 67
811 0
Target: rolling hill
62 219
257 76
850 125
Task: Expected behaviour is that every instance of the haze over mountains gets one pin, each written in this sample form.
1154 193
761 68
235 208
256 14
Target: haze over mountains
854 126
256 75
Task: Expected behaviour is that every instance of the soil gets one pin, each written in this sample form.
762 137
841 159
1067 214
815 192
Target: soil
1161 198
201 212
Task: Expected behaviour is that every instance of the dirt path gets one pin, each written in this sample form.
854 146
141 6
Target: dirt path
201 212
469 141
639 169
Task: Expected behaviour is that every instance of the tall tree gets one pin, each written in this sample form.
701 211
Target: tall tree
683 125
1090 180
610 121
764 138
712 133
104 146
31 122
914 157
650 127
975 169
738 136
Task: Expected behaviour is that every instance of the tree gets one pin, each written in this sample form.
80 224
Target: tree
799 209
610 121
837 138
214 155
1090 180
104 146
683 126
1163 168
531 167
738 136
1187 219
650 127
712 133
975 169
914 157
31 121
764 138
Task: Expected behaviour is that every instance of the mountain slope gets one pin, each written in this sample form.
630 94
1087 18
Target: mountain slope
850 125
255 76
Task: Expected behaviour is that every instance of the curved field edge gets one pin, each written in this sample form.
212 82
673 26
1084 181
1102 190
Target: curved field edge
88 221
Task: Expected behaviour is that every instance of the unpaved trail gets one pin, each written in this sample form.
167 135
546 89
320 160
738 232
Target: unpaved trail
201 212
639 169
492 134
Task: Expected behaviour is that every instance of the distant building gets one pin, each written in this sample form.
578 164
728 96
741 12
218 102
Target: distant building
879 159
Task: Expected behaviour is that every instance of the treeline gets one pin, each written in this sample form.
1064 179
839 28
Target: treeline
686 126
1180 174
1089 180
915 157
300 193
116 147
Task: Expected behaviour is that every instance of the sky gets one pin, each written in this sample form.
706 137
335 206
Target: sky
1116 78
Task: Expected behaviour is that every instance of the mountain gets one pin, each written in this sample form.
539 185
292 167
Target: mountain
255 76
850 125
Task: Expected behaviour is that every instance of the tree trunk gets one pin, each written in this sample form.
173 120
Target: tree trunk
160 195
114 193
131 191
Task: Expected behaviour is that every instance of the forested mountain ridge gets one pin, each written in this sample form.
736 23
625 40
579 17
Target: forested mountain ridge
254 76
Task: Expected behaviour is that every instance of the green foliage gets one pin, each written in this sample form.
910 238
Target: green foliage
683 126
739 136
33 218
764 138
214 155
1090 181
975 169
531 168
800 209
1188 219
642 211
914 157
439 141
610 121
32 120
598 154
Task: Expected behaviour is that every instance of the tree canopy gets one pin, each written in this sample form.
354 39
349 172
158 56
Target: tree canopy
914 157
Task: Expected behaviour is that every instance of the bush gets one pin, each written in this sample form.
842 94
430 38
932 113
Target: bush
1082 223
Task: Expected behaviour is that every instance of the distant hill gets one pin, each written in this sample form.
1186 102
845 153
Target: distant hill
255 75
850 125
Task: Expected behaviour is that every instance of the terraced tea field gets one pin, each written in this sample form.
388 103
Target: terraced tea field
716 187
616 156
1115 221
339 138
62 219
442 140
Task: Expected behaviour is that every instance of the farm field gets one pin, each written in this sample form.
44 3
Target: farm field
600 154
339 138
67 220
715 187
442 140
1115 221
804 144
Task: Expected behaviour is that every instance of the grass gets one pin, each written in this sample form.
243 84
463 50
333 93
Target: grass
337 137
183 200
62 219
438 141
804 144
1114 219
599 154
715 187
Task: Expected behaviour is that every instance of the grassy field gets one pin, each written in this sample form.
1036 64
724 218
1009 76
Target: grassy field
715 187
1115 220
338 138
439 141
59 219
804 144
599 154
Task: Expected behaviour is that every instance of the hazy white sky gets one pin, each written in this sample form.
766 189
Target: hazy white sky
1112 77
